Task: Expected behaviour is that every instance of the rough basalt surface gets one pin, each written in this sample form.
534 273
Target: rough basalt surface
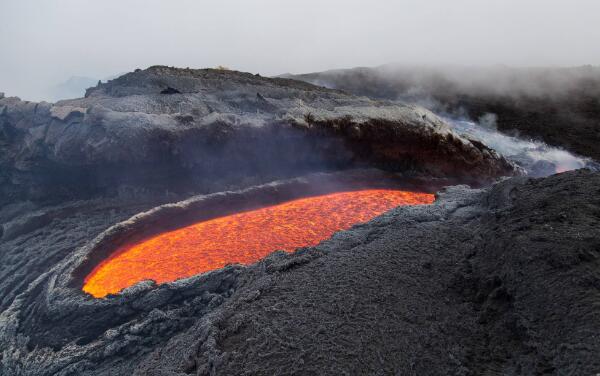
167 130
501 280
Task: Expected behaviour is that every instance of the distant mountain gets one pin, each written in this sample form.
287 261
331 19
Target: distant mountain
74 87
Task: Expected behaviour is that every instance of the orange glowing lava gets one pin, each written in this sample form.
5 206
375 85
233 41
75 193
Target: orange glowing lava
242 238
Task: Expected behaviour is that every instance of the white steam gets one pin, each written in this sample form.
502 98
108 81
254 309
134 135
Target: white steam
535 157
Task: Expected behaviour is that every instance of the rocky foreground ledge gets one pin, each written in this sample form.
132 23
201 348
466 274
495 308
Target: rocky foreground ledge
501 280
181 130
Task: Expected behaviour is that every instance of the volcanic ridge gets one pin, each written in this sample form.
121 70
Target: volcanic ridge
498 275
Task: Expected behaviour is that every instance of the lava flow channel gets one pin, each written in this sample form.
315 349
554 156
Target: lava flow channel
242 238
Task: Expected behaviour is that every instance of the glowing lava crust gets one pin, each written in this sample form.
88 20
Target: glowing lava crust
242 238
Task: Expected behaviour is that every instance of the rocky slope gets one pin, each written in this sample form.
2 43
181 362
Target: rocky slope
560 106
181 130
502 280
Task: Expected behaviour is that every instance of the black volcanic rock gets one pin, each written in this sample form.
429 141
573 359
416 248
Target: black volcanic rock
213 129
502 280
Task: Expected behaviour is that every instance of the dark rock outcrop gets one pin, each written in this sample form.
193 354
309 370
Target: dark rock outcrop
502 280
214 129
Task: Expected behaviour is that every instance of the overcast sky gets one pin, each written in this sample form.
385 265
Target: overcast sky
45 42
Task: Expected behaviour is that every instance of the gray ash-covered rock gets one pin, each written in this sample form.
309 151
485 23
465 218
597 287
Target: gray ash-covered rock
187 131
501 280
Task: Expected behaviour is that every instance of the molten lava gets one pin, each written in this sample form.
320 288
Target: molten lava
242 238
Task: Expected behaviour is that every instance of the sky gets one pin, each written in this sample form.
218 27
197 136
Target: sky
45 42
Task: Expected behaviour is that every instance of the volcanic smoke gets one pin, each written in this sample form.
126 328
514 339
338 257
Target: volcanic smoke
242 238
